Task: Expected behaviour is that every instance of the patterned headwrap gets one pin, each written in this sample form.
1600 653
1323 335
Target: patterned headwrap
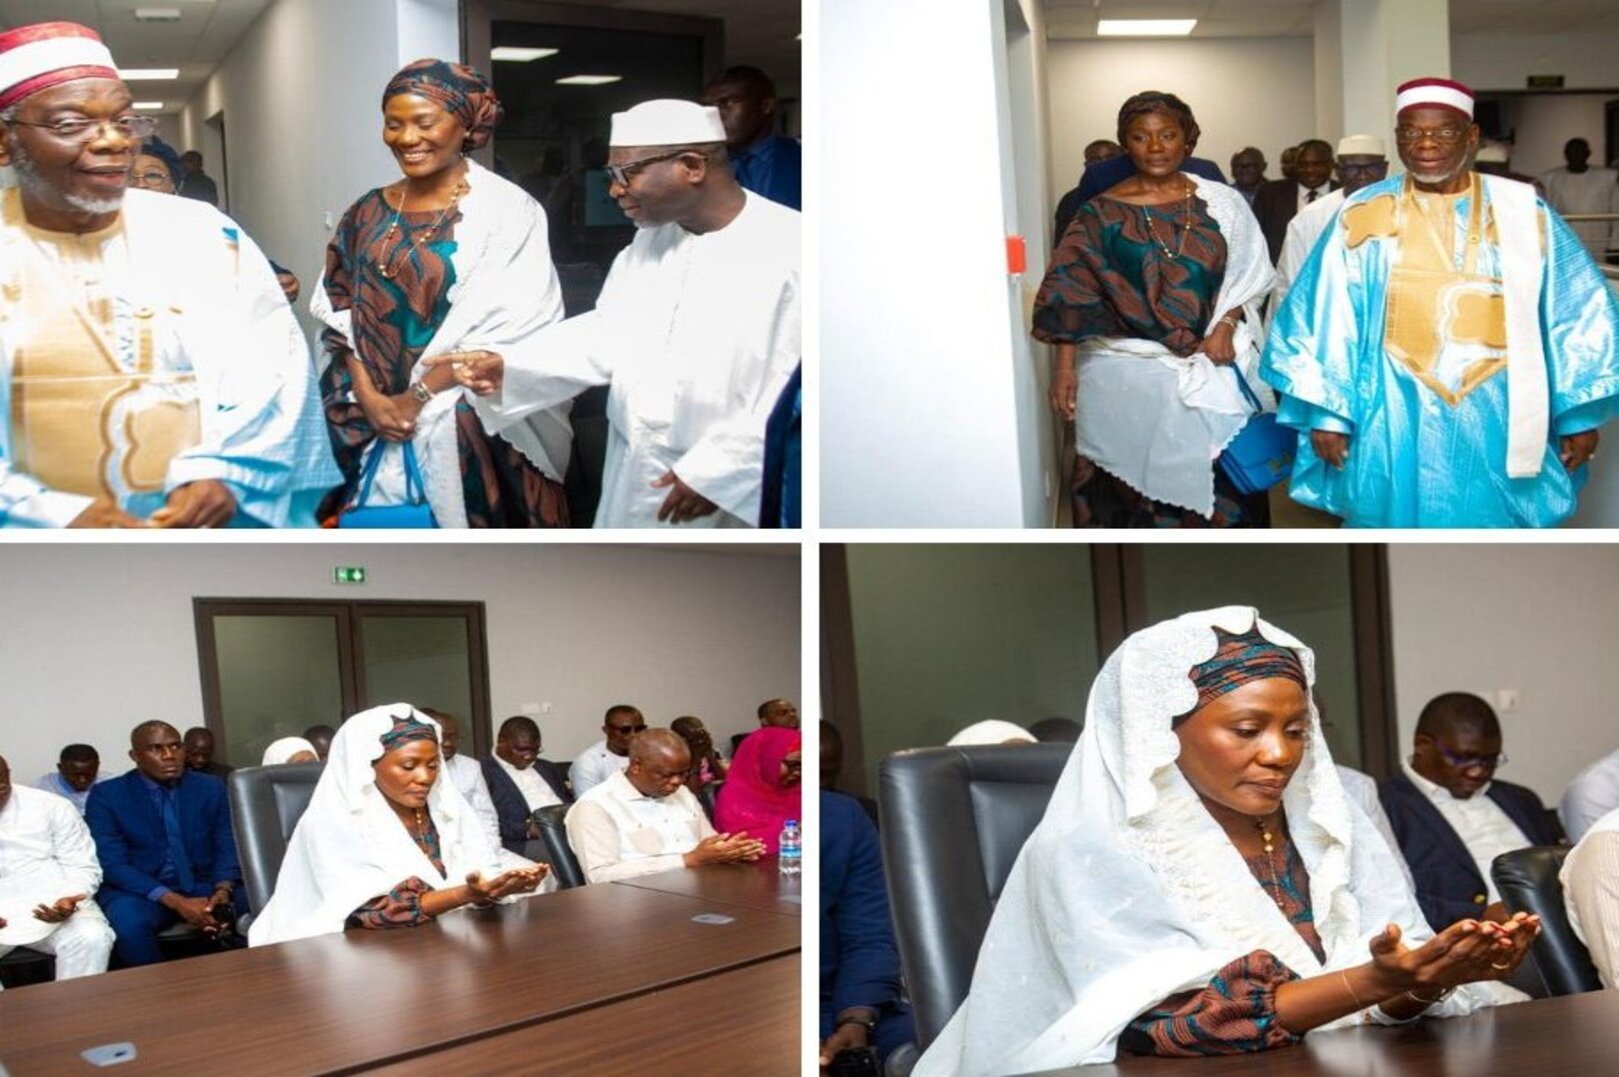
460 90
406 728
1238 660
156 147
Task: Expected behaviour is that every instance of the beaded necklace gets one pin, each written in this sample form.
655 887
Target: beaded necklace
385 266
1186 228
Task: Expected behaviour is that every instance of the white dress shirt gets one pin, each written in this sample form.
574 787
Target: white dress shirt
1590 879
593 766
46 854
618 832
1320 193
467 776
537 792
1593 793
1483 826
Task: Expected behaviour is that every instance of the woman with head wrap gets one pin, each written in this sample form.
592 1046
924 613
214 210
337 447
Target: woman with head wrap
1200 884
761 791
448 259
157 167
1151 298
289 750
383 842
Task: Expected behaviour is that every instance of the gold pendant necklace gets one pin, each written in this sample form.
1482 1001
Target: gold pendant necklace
1186 228
1269 839
386 266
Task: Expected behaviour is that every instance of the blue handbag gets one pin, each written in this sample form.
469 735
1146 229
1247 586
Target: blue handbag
1261 455
414 513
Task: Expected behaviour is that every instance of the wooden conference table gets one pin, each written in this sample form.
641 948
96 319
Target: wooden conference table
1574 1036
614 968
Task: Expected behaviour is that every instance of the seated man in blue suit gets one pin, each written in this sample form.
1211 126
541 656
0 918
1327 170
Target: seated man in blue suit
521 783
1452 818
860 973
163 837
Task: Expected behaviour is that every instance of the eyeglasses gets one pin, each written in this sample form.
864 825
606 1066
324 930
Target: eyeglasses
622 174
1471 762
155 178
1445 136
80 131
621 730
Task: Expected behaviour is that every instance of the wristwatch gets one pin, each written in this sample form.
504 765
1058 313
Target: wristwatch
420 391
867 1023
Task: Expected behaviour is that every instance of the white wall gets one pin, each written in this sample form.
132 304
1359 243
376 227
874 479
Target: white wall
1541 619
103 637
301 95
1243 91
919 326
1543 122
1505 61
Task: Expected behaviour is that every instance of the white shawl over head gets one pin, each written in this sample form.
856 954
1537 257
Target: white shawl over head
506 288
350 847
1128 891
1158 421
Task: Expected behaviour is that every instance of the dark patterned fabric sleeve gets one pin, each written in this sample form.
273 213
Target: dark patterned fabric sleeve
1236 1013
399 907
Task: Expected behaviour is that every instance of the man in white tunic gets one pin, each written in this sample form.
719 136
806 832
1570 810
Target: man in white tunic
151 371
645 820
1579 188
1590 878
48 874
611 754
464 772
696 328
1593 793
1361 160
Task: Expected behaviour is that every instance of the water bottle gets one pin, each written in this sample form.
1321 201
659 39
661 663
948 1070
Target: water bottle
790 848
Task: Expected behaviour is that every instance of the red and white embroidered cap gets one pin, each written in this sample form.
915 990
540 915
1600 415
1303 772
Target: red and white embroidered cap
46 54
1443 93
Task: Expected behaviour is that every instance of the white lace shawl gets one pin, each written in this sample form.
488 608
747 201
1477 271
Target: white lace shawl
1129 892
1158 421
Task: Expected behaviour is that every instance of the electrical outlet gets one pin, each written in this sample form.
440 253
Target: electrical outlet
531 709
1506 700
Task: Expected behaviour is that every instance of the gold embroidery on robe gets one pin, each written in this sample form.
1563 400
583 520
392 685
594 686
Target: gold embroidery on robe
1369 219
1433 306
80 422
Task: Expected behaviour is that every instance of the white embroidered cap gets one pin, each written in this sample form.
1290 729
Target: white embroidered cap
1361 146
667 122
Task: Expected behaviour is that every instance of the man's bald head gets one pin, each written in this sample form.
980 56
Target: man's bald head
139 733
659 761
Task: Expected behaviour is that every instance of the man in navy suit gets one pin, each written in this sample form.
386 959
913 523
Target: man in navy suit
861 1004
517 760
1452 818
163 837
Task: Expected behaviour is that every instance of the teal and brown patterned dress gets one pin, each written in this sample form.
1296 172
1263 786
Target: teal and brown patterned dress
1110 277
394 319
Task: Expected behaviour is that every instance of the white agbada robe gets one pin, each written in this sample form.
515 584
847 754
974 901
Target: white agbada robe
46 854
505 289
698 335
1302 233
216 312
1129 892
350 847
467 775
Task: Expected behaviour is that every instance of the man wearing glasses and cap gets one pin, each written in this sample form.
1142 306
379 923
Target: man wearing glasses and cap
1361 161
697 329
1449 350
151 375
1452 818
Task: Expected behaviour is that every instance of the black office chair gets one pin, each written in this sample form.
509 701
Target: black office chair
564 865
21 967
265 805
1528 882
954 821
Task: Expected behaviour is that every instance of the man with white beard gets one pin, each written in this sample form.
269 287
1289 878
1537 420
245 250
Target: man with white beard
151 371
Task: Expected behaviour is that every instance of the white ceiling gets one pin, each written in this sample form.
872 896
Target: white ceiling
206 32
1072 19
759 32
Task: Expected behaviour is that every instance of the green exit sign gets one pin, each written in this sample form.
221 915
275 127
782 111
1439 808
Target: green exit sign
348 574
